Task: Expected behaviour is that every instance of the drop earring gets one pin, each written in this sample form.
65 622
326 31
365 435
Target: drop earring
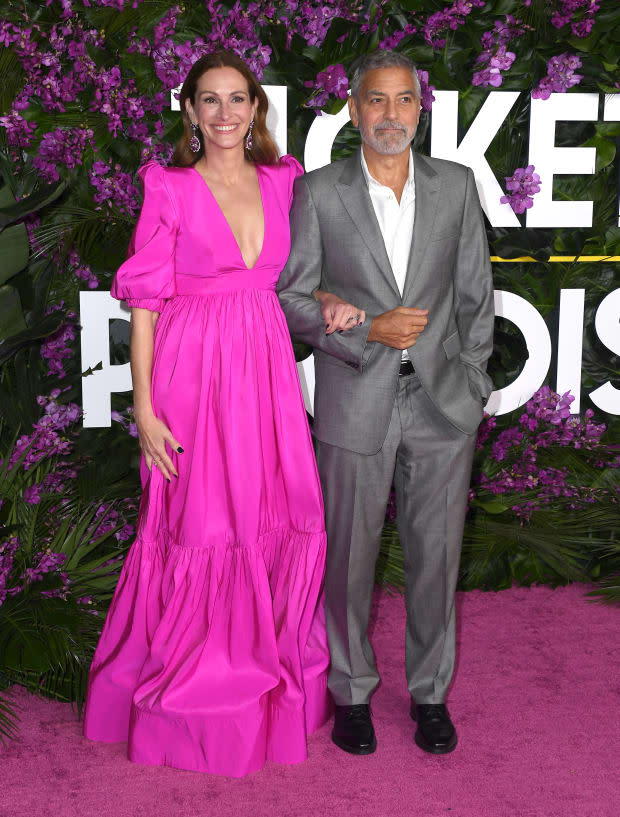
249 143
194 142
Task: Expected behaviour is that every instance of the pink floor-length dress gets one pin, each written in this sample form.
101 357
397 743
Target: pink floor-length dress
213 656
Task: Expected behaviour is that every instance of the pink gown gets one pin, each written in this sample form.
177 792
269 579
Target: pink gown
213 656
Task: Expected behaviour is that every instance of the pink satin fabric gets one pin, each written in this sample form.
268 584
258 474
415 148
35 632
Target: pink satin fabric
213 656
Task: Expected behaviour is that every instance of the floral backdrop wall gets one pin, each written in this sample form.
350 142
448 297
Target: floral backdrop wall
85 99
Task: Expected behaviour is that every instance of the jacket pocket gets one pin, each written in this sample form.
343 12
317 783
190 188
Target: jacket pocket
452 345
331 360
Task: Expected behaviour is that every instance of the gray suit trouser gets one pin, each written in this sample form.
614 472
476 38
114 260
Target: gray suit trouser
429 461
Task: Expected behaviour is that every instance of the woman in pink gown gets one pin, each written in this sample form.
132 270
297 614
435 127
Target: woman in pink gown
213 656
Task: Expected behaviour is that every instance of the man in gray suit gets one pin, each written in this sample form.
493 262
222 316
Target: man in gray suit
399 396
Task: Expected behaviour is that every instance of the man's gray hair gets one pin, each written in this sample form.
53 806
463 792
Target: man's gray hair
383 58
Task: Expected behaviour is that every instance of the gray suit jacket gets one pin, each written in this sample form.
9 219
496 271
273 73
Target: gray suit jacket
336 245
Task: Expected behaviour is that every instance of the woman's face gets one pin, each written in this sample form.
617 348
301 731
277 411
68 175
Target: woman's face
222 108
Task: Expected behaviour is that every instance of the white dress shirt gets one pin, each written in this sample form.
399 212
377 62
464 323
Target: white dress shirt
395 221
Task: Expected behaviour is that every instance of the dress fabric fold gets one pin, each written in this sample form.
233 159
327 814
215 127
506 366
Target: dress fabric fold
213 655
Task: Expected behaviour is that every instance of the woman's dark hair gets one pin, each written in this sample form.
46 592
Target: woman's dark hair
264 150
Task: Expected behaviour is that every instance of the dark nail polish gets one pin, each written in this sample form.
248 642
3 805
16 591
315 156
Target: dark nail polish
180 450
168 478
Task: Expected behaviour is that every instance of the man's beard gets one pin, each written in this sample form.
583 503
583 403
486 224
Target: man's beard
382 137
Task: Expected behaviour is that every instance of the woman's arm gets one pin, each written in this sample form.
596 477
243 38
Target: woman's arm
152 432
338 314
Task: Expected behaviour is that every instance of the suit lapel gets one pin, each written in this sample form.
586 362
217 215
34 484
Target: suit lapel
427 184
353 192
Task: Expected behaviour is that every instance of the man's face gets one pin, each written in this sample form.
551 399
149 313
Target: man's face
387 111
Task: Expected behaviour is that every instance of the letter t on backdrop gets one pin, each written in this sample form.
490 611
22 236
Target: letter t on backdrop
612 114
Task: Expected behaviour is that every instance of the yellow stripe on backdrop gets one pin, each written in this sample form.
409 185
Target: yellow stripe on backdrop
556 259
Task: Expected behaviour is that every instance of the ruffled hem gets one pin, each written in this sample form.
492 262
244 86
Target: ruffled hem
232 746
214 659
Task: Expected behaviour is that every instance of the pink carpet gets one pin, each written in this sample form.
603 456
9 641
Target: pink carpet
536 700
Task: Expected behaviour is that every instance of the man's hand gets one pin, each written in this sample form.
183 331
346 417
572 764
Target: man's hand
398 328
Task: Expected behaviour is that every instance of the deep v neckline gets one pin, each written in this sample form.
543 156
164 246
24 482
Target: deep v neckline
225 220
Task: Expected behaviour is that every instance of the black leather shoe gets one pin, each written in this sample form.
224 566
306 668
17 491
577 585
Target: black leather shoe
435 733
353 730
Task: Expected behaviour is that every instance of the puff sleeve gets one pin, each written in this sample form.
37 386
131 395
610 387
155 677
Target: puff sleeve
293 169
146 279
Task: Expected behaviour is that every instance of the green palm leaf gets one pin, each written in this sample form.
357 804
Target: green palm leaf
8 718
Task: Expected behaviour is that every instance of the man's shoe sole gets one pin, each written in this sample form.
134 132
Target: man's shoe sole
355 750
435 749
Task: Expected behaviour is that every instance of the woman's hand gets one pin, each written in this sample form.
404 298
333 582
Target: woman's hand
153 436
338 315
